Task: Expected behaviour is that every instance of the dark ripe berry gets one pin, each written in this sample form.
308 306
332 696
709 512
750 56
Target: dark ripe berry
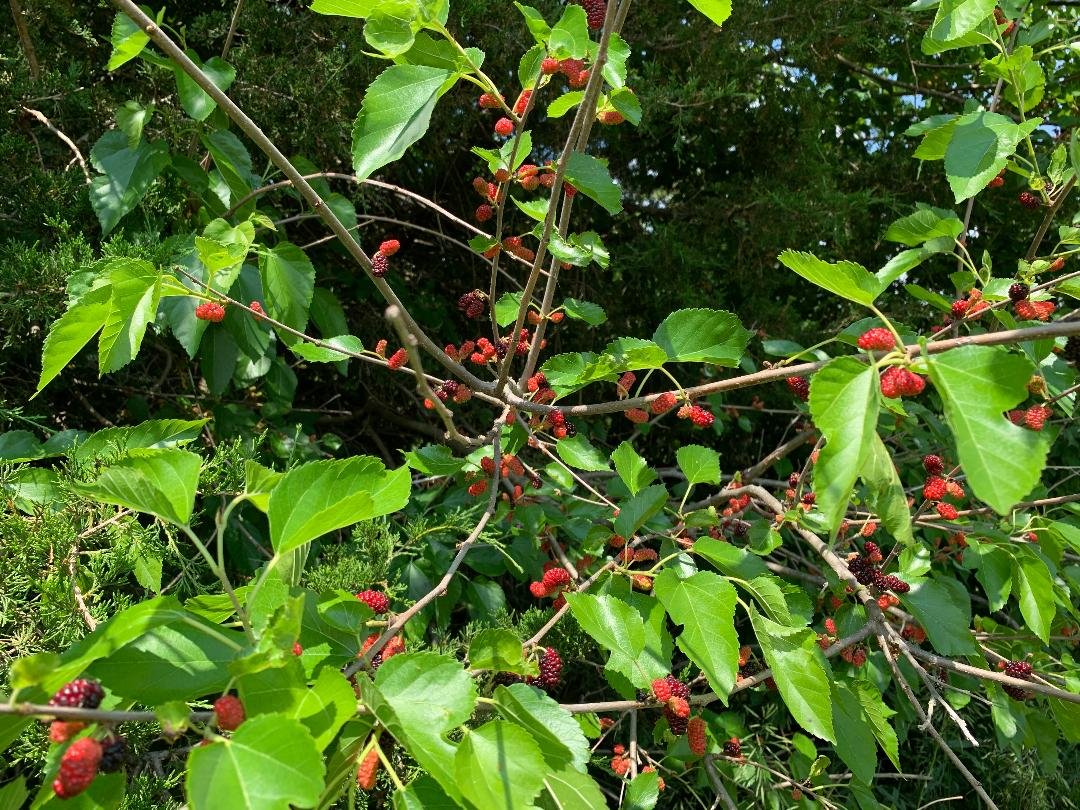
1019 292
229 712
571 429
933 464
79 694
376 600
733 747
877 339
483 212
793 480
678 688
398 359
504 127
664 403
1029 200
1018 669
895 584
113 753
799 387
872 551
473 304
1071 352
210 311
78 766
934 488
550 669
594 13
695 736
1015 692
549 66
368 770
389 247
379 265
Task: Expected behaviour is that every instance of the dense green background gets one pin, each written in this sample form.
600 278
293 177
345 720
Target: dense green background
755 139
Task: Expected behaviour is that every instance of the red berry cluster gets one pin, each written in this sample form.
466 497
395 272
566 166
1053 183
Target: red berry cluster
78 767
970 307
699 416
380 264
574 71
877 339
856 655
1033 418
675 695
1020 670
899 382
594 12
555 580
550 669
210 311
913 633
865 569
664 403
81 693
228 712
378 601
1029 201
538 386
998 181
695 736
620 763
799 386
510 466
625 383
368 770
450 390
393 647
473 304
556 422
1034 310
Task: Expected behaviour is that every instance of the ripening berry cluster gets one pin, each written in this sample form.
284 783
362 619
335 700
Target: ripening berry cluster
855 655
1033 418
509 467
393 647
378 601
799 386
541 390
878 339
473 304
397 360
450 391
937 486
699 416
368 770
897 381
555 580
675 697
865 569
971 307
1016 669
380 264
87 756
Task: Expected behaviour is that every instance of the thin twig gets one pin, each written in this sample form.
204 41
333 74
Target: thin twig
40 116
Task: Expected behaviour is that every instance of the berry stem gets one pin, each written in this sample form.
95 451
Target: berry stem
219 571
389 767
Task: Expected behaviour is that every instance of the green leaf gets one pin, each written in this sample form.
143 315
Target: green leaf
617 628
391 27
627 104
158 482
993 569
423 793
885 491
943 608
579 452
324 354
344 8
72 332
632 468
700 465
497 650
434 459
269 763
715 10
569 37
419 697
556 732
125 175
634 353
1034 589
565 103
643 792
394 115
590 175
529 68
319 497
127 39
507 308
733 561
980 145
844 404
535 22
288 279
195 101
615 66
702 336
845 279
533 209
704 604
978 384
499 765
854 738
634 511
925 224
326 706
14 794
957 18
592 314
152 434
571 790
136 290
799 671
